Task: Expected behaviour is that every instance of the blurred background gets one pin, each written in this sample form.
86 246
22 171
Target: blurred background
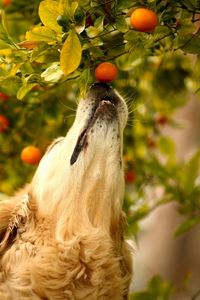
158 75
158 251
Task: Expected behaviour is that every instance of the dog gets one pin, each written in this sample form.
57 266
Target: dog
61 237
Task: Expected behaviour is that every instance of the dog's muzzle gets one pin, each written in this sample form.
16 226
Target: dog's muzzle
105 101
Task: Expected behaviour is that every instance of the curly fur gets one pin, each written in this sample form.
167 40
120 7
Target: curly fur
61 237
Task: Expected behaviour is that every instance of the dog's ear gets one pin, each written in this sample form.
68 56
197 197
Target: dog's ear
13 213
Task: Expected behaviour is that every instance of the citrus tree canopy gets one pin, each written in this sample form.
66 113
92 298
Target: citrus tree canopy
49 51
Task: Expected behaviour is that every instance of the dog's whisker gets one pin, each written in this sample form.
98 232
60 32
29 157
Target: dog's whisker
68 117
67 106
130 124
132 111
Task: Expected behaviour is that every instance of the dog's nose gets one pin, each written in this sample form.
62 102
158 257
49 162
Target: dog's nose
101 85
102 91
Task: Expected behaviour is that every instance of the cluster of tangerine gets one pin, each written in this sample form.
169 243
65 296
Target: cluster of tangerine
142 19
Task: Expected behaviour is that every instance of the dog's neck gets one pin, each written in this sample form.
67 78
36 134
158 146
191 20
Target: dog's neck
92 201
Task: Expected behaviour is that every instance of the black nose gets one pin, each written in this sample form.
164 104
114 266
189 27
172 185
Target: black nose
102 91
101 85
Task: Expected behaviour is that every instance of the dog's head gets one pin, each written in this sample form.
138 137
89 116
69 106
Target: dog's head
85 166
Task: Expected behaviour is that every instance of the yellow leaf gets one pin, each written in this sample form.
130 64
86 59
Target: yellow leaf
41 34
49 10
64 7
5 52
14 69
71 52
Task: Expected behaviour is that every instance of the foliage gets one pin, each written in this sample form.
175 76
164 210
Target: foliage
157 289
48 53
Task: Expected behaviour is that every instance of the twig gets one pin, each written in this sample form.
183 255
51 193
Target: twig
189 10
118 55
158 40
191 4
194 297
100 35
195 20
186 43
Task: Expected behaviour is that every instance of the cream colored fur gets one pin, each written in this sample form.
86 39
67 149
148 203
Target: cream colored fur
61 237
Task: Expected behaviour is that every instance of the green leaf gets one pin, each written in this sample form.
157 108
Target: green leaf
160 288
99 23
71 52
160 33
52 73
191 172
41 34
189 43
166 146
142 296
4 45
49 10
155 167
93 31
3 22
186 225
24 90
28 83
96 52
73 9
121 24
141 213
132 36
4 36
84 80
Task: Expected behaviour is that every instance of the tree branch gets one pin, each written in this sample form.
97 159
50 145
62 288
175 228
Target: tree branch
195 296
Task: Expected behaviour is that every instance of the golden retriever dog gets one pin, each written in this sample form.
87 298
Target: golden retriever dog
61 237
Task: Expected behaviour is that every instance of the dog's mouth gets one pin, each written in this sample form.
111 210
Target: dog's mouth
105 101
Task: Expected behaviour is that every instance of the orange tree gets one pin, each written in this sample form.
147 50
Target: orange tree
48 54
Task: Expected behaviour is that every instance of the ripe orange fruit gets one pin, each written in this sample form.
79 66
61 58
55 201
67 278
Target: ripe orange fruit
161 119
151 143
3 96
4 123
144 20
6 2
130 176
31 155
106 72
